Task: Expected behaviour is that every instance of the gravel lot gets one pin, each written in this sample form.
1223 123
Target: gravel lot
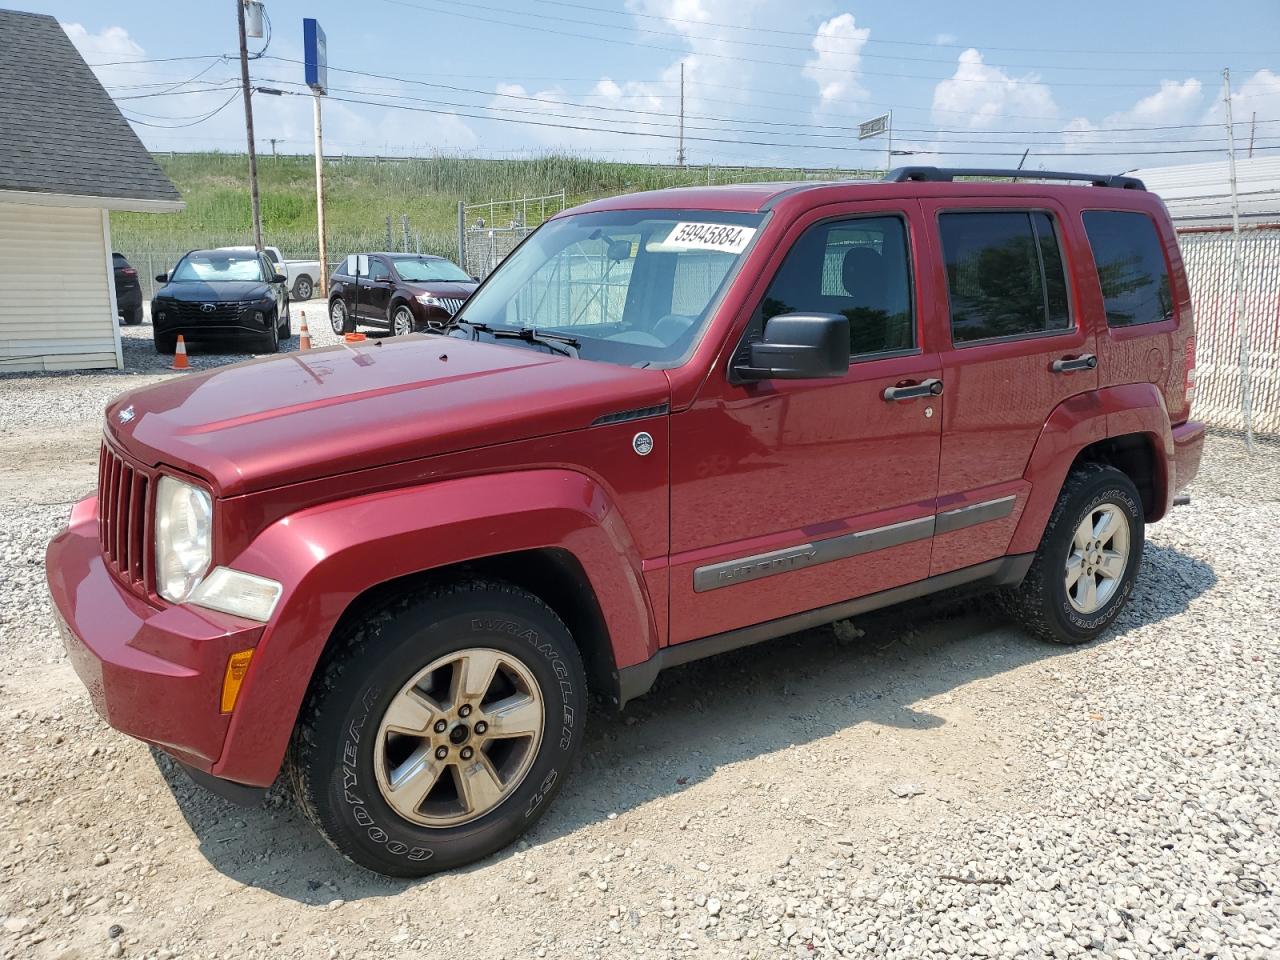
927 783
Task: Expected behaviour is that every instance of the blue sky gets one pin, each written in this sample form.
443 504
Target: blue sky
1082 86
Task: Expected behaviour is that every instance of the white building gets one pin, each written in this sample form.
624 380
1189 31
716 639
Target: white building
1199 194
67 157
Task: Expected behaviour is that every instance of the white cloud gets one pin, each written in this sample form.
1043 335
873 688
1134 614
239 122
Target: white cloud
981 96
838 45
945 39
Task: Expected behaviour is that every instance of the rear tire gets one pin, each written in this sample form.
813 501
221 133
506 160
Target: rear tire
303 288
338 316
1088 559
398 669
133 316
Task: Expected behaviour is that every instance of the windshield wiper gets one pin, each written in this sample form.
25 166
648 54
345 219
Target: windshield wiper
559 342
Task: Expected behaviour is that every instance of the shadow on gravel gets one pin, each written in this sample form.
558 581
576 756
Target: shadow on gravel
707 715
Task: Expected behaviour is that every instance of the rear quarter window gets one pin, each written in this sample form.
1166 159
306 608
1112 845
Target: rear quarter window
1131 267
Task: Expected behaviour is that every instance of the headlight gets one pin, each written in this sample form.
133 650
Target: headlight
184 537
429 300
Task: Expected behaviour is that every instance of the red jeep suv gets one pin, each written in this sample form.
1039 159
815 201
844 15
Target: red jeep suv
670 424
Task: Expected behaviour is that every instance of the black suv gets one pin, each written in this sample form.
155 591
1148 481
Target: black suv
222 295
403 292
128 291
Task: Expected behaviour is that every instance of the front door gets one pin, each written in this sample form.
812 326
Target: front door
375 291
1019 347
792 495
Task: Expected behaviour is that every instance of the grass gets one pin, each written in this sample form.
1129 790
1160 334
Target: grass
361 193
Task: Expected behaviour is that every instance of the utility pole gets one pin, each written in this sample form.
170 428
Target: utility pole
680 148
248 128
1253 125
324 249
1246 389
888 157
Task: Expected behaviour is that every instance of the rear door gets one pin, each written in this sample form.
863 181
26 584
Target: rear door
1019 346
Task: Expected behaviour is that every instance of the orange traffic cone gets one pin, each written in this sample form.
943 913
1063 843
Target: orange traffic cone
304 335
180 355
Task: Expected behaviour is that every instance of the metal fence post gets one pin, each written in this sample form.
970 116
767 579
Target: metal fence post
462 235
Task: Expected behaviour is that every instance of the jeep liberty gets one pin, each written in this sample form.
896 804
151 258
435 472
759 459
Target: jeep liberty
670 424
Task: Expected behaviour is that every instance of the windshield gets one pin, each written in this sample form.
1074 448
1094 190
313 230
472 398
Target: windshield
422 270
630 286
214 265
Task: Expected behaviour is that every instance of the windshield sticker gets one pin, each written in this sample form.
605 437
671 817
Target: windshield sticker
722 237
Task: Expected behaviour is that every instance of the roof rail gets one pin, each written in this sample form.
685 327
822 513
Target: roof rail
947 174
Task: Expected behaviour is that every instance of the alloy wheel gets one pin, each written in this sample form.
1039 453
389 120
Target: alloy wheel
337 316
459 737
303 289
402 322
1098 558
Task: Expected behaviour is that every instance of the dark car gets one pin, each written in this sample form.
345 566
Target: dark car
222 295
403 292
128 291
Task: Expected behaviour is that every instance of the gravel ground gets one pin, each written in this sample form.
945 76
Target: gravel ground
927 783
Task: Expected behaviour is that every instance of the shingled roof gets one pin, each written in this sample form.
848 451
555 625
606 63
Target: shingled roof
60 133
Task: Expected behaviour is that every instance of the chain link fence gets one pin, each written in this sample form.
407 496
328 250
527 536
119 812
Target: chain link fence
1219 373
488 231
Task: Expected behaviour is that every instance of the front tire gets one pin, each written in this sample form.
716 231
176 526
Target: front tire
440 728
271 342
1088 560
401 321
338 316
165 342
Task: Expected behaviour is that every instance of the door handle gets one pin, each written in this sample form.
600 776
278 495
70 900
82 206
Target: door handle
1067 364
914 391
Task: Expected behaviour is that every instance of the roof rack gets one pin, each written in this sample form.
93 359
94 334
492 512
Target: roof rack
947 174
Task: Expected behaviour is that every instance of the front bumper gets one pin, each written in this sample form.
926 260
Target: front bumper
154 672
215 328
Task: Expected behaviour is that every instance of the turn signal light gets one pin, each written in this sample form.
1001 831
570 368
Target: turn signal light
237 667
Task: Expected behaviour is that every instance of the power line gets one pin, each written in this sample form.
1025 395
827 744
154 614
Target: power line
719 56
634 111
173 126
842 148
918 43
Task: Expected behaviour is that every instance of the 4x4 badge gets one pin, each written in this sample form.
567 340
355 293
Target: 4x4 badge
642 443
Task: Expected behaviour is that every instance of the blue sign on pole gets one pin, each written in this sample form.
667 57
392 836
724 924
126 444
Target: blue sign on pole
314 56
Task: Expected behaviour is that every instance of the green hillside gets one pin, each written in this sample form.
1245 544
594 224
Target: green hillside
362 193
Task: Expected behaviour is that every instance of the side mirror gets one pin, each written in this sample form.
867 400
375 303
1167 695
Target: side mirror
799 346
162 278
279 278
475 278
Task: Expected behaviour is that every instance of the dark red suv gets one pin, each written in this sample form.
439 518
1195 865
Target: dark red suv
403 292
668 425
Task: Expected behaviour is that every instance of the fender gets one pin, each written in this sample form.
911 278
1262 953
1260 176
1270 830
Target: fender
1074 424
328 555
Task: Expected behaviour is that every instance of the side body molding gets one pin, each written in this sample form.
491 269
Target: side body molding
1133 408
326 556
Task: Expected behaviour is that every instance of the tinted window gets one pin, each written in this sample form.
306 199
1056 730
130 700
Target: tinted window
271 256
429 269
1131 267
378 270
857 268
118 261
1004 275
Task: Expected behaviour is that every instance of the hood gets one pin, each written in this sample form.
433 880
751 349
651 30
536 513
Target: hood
198 291
302 416
457 289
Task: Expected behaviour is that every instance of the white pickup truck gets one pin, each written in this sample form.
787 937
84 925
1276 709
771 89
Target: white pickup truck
303 275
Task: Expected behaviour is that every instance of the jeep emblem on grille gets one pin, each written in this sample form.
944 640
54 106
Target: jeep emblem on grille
208 307
125 415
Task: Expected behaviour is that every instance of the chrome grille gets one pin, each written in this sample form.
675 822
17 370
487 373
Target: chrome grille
124 518
452 304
